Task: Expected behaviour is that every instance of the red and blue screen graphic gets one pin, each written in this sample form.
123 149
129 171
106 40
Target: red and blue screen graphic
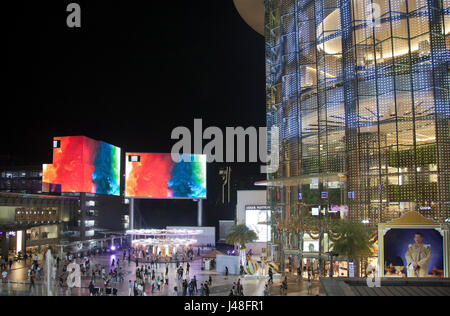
160 176
81 164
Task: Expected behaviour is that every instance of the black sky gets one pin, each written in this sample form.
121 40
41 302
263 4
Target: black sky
129 76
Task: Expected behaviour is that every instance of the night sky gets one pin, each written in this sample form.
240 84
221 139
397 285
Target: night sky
129 76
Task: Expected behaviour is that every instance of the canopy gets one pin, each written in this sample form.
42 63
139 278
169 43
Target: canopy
212 254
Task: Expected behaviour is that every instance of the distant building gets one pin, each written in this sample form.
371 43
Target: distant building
24 179
359 91
34 223
103 214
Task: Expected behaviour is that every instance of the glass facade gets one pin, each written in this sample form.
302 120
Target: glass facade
360 92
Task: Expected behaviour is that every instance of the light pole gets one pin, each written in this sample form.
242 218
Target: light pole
332 254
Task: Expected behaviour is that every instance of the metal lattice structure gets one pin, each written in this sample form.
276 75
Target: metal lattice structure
360 92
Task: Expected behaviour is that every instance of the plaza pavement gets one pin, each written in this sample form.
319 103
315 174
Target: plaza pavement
19 286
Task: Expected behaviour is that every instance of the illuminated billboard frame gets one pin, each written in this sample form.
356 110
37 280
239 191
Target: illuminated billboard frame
165 176
255 215
83 165
409 223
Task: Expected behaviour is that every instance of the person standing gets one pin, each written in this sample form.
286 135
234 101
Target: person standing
5 276
266 290
285 286
309 284
91 288
194 284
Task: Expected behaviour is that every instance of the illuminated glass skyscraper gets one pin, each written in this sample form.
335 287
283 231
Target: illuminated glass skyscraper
360 92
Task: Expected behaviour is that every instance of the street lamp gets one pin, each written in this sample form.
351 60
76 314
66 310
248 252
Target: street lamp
332 254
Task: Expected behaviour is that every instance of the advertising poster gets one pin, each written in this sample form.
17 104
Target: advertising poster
413 253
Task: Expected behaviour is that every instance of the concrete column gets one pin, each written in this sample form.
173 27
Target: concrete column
200 213
132 214
40 239
24 241
5 245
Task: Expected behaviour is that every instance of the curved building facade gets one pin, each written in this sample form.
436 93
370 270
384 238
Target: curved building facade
360 92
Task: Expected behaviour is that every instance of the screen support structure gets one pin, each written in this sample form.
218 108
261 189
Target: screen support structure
83 209
200 213
131 215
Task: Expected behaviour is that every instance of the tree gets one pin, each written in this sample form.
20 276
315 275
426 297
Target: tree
354 242
241 235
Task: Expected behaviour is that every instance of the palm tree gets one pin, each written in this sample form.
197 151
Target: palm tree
241 235
354 242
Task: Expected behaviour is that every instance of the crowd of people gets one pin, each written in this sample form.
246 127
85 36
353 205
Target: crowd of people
152 274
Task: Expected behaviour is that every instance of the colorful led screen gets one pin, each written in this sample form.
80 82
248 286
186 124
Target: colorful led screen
160 176
81 164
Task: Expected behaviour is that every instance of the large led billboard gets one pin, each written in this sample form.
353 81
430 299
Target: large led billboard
159 176
81 164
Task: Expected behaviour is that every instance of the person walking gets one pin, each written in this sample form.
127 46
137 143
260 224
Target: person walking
32 286
309 284
270 275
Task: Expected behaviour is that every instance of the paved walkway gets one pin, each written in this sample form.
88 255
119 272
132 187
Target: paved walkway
221 286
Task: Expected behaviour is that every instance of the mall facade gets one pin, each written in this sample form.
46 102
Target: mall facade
359 90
